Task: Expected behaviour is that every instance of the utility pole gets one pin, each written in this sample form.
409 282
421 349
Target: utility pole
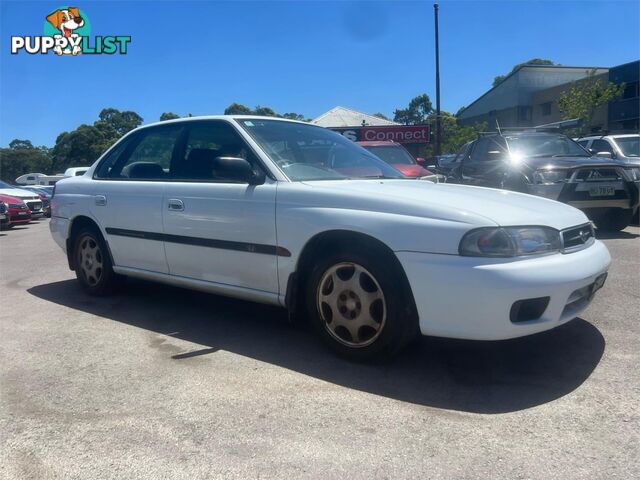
438 121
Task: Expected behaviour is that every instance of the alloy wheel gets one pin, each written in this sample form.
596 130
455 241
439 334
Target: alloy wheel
351 304
91 260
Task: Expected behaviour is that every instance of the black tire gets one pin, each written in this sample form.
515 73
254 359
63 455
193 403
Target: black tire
613 220
399 325
93 263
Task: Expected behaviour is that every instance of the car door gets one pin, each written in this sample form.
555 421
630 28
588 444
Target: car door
128 197
218 230
485 166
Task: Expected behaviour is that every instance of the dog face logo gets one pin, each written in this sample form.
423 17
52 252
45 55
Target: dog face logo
66 20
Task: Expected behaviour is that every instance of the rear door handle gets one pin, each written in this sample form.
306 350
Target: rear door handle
176 205
100 200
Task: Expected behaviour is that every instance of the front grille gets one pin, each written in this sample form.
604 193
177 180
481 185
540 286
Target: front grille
601 174
577 238
34 206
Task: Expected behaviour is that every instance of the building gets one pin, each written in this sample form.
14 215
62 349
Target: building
359 126
529 96
518 100
345 117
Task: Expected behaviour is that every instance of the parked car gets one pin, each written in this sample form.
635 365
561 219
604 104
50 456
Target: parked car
625 148
553 166
29 178
32 199
398 157
17 209
44 193
260 209
5 220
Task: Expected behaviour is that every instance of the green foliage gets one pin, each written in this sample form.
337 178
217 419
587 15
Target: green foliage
168 116
533 61
416 113
83 146
585 96
380 115
454 135
239 109
22 157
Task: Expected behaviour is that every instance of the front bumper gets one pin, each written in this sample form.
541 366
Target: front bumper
471 298
577 194
59 228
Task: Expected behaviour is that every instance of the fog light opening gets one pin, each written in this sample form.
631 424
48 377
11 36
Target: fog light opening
529 309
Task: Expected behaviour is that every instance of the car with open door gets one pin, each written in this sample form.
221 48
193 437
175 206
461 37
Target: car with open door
292 214
553 166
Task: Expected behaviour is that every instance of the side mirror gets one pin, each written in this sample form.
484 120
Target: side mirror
604 154
420 160
238 169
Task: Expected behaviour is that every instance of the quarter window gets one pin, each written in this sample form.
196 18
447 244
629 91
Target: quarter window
146 156
601 146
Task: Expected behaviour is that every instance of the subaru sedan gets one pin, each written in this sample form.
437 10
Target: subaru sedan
291 214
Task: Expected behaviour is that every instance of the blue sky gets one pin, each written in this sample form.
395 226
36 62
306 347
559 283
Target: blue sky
300 56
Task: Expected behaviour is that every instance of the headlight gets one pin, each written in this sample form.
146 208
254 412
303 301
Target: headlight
549 176
509 241
633 173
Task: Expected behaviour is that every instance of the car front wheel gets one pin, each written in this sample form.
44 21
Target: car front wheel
93 264
358 307
614 219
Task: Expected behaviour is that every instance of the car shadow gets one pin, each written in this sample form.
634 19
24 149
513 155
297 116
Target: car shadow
602 235
481 377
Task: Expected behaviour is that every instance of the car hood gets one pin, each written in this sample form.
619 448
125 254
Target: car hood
19 193
569 162
412 170
476 206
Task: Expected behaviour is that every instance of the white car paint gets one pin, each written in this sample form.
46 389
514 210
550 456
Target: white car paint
421 222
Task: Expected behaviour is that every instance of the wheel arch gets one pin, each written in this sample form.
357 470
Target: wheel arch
75 226
329 241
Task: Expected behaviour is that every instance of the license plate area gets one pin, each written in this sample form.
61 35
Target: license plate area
602 191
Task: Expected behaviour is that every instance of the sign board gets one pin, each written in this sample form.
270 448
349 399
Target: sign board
394 133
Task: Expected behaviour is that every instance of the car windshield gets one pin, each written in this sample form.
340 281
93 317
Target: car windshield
544 146
307 152
630 146
392 154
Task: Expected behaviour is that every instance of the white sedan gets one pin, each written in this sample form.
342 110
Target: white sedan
295 215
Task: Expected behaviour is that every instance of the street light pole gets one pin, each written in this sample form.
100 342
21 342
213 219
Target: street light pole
438 122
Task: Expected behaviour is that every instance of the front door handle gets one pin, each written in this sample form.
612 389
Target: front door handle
176 205
100 200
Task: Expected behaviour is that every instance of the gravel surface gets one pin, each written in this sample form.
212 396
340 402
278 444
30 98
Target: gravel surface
159 382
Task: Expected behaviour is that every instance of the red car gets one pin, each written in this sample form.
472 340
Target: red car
398 157
17 211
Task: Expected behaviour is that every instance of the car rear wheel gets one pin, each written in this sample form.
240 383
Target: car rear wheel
613 220
358 308
93 264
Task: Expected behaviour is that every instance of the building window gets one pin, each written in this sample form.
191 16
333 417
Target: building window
524 114
546 108
630 90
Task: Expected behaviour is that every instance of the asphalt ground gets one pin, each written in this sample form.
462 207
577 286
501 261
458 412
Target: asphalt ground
164 383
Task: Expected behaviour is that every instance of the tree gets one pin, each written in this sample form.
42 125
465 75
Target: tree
585 96
237 109
265 111
168 116
294 116
16 143
533 61
416 113
380 115
22 157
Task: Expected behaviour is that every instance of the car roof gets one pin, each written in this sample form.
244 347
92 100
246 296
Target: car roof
620 135
224 117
